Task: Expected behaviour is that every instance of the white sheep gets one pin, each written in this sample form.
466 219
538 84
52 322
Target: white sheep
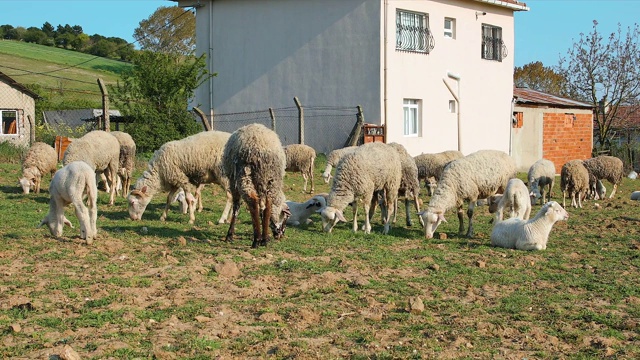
127 160
475 176
182 164
532 234
301 211
432 165
254 162
40 159
332 160
370 168
606 167
70 185
541 174
101 151
515 200
301 158
574 182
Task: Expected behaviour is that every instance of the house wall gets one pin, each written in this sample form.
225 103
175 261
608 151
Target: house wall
567 135
13 99
526 141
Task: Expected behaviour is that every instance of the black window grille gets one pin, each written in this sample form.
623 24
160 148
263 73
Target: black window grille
413 33
493 48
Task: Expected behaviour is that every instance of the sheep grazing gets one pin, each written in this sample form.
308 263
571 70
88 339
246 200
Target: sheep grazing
182 164
70 185
40 159
541 174
475 176
574 182
254 161
301 158
432 166
332 160
127 159
530 234
101 151
515 199
300 212
607 167
370 168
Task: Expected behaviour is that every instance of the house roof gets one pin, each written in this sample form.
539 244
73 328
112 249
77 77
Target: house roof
525 96
16 85
62 120
511 4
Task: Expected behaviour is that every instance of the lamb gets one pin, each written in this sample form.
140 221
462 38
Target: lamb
515 199
301 158
300 212
541 174
530 234
370 168
574 182
255 162
40 159
101 151
332 160
182 164
607 167
475 176
70 185
127 160
432 165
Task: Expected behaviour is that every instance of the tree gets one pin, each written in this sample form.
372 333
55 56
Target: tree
168 30
606 74
48 29
34 35
536 76
154 94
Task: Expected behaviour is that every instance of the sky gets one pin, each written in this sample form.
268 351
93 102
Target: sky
543 33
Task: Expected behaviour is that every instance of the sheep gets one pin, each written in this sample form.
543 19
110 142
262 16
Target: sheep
530 234
255 162
127 159
574 182
515 198
182 164
432 165
370 168
596 190
101 151
607 167
40 159
300 212
301 158
332 160
70 185
475 176
541 174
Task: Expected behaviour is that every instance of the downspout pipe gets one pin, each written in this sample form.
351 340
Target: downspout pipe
385 45
456 96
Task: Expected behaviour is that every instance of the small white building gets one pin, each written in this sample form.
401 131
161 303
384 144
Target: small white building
17 112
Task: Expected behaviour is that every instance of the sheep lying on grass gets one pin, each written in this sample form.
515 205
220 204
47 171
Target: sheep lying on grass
300 212
301 158
542 174
606 167
40 159
574 182
530 234
332 160
515 200
69 186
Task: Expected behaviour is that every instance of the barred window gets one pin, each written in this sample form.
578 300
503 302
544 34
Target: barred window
8 122
412 32
493 47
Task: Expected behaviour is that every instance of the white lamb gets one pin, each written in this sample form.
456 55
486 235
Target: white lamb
515 200
542 174
69 186
300 212
39 160
530 234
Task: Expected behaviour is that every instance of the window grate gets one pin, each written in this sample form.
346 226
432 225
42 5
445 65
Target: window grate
413 33
493 48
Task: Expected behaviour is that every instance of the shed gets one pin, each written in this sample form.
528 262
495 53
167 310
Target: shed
67 122
17 111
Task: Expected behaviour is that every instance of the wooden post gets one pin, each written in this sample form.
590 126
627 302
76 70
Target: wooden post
32 132
203 118
300 120
105 106
273 119
354 137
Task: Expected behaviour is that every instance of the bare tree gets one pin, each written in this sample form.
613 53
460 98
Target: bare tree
605 73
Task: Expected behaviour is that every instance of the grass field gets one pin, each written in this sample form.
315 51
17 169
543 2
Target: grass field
169 290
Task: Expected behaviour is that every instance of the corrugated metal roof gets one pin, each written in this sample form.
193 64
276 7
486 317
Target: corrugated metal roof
526 96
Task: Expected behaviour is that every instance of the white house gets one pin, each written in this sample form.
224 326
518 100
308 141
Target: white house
407 63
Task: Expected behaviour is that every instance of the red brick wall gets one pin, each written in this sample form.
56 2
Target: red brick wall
566 137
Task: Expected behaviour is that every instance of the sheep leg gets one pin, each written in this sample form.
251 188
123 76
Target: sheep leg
82 213
461 220
304 176
470 216
112 175
389 200
254 209
613 192
266 220
227 208
311 180
367 224
92 203
416 201
354 207
407 211
38 180
170 197
234 216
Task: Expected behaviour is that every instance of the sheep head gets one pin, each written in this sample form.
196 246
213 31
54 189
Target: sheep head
432 220
27 184
555 212
330 217
279 214
56 224
138 200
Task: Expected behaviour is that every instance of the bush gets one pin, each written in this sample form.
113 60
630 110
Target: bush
11 153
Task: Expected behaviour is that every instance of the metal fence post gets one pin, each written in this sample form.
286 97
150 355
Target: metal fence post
273 119
300 121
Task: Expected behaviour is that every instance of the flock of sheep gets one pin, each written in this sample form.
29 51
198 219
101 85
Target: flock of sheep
250 165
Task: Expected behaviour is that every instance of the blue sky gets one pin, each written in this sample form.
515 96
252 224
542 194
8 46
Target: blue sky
542 34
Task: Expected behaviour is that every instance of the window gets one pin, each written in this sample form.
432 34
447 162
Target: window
517 120
412 32
8 122
452 106
492 46
450 28
411 120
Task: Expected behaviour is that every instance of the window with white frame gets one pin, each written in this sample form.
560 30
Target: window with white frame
8 122
492 45
411 117
412 32
450 28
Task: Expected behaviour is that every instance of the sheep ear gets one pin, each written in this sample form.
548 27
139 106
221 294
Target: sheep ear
340 216
67 222
144 189
441 217
44 221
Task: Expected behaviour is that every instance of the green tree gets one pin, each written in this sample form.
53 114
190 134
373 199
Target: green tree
48 29
35 35
154 94
102 48
536 76
170 30
606 74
